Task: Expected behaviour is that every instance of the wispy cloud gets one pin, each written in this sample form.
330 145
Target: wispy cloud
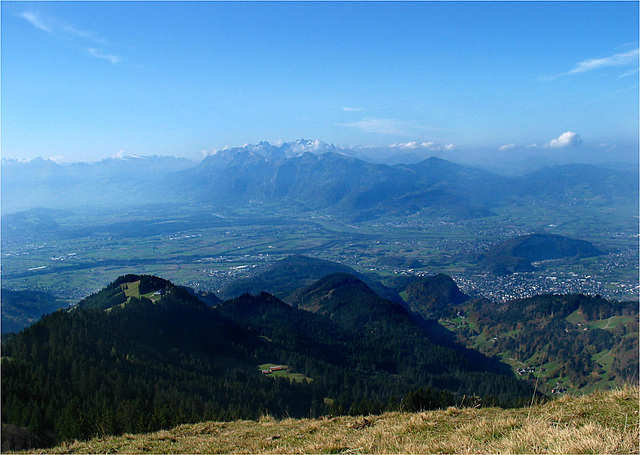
93 52
628 73
378 125
37 21
54 26
627 58
84 34
352 109
389 126
507 147
622 59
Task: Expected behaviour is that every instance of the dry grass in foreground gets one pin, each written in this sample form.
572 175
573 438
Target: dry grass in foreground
603 422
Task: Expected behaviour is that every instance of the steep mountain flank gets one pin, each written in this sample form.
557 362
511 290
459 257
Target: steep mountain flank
349 301
434 296
22 308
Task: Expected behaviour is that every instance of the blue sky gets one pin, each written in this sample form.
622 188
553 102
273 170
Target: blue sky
85 81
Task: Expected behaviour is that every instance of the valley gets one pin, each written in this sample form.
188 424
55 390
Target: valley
206 250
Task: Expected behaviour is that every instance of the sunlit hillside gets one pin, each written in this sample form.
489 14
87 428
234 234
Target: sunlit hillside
603 422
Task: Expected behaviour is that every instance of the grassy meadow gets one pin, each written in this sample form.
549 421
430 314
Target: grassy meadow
602 422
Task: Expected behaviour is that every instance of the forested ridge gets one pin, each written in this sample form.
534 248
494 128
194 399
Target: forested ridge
144 354
560 330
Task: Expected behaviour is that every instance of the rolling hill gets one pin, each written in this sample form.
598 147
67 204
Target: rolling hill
517 254
287 277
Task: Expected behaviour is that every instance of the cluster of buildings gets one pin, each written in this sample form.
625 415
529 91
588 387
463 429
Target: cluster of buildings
275 368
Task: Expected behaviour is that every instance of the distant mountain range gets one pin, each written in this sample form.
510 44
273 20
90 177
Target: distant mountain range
44 183
305 175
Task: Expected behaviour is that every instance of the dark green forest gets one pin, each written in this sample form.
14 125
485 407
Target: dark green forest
120 363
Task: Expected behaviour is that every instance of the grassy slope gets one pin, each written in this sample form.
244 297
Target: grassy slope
603 422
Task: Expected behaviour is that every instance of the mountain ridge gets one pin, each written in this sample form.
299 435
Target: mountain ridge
310 174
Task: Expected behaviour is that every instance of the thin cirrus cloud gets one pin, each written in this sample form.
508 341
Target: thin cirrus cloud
37 21
378 125
628 73
622 59
388 126
93 52
352 109
56 27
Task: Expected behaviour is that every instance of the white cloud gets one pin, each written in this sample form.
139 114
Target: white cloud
352 109
57 159
621 59
567 139
93 52
507 147
37 21
215 150
413 145
405 145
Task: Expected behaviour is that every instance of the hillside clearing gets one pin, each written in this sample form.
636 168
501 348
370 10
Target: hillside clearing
603 422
